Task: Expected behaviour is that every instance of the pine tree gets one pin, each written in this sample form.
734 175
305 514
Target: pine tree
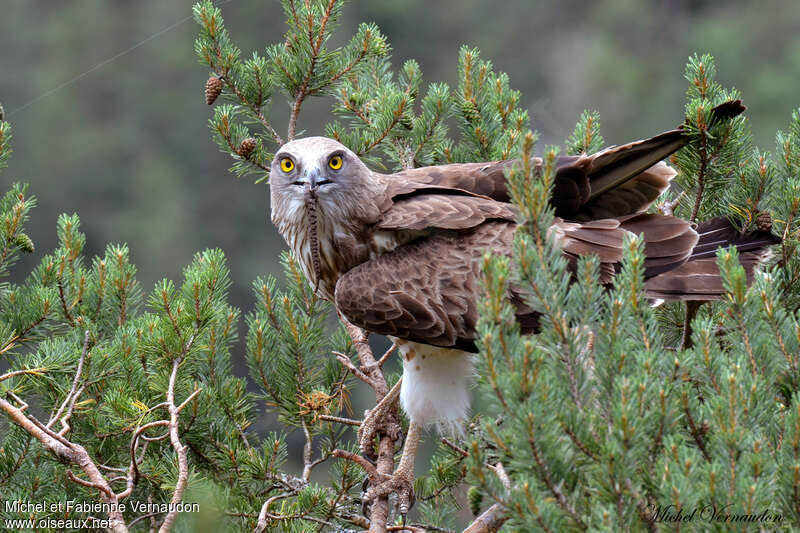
614 417
645 425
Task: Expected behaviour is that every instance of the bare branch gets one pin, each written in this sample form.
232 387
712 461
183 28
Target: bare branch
386 354
306 452
489 521
73 453
461 451
28 371
189 399
339 420
502 476
363 462
342 358
180 449
264 514
72 395
667 208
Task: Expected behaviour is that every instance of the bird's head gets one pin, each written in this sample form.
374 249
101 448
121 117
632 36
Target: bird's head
318 164
318 170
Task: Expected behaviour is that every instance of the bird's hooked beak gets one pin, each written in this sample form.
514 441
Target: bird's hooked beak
312 178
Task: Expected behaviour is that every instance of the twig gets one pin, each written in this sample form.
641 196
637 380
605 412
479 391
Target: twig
27 371
339 420
261 525
144 516
64 302
555 490
691 311
306 452
180 449
429 527
133 468
73 394
342 358
18 463
386 354
103 487
461 451
189 399
667 208
694 430
363 462
644 513
502 475
489 521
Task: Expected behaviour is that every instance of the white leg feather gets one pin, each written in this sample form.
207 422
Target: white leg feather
436 383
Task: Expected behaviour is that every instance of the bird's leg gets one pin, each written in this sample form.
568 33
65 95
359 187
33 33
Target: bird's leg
373 418
402 481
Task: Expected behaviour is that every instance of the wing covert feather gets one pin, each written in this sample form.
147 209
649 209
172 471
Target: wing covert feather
444 212
425 291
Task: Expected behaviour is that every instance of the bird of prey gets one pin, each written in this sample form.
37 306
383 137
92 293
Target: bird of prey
400 254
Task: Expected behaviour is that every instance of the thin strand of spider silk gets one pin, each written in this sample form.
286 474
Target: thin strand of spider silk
106 62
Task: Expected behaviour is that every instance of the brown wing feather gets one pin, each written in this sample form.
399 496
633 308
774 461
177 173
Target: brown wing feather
484 179
426 291
668 240
443 211
633 196
699 279
617 181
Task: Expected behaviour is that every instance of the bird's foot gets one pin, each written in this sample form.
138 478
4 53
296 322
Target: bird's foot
402 484
376 421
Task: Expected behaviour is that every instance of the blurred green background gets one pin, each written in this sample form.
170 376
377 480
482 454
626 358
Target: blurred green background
127 147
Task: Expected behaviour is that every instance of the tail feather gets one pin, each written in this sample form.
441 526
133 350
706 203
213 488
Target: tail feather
621 180
699 277
719 232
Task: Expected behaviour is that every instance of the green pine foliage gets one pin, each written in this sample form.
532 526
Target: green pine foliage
586 138
721 147
603 419
614 411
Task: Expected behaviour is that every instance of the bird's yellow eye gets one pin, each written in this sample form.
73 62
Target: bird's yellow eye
287 164
335 162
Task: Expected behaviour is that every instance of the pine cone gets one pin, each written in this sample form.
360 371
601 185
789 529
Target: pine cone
246 147
470 111
24 243
2 113
764 221
213 89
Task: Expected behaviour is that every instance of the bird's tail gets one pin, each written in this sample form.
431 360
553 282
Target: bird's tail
622 180
699 278
616 165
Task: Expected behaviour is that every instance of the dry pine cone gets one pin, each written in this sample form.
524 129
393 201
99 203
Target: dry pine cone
764 221
213 89
246 147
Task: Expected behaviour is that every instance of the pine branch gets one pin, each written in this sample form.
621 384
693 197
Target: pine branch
374 377
174 437
489 521
73 453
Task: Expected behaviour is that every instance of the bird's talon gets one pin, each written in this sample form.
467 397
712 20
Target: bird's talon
366 434
401 484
